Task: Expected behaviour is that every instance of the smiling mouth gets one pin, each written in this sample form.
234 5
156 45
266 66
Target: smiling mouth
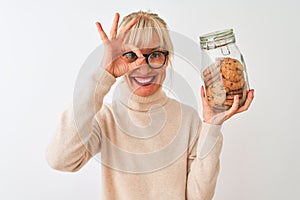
144 81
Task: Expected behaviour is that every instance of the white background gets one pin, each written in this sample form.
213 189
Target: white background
44 43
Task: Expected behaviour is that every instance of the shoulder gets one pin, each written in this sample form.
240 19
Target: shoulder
190 122
104 114
187 110
190 119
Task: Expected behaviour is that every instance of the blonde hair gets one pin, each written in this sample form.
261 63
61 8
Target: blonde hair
142 33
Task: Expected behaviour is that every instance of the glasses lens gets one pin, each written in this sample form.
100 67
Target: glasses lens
156 59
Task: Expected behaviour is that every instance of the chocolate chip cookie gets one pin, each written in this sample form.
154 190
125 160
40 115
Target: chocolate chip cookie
223 80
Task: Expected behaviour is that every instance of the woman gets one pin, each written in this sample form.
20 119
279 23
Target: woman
152 146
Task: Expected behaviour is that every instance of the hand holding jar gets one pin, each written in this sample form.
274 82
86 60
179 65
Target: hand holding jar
225 77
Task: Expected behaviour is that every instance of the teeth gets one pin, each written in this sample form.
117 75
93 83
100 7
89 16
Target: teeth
143 80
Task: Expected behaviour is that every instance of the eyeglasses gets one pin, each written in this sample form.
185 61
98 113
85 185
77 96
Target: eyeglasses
155 59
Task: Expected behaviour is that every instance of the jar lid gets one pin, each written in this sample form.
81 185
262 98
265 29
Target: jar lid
217 39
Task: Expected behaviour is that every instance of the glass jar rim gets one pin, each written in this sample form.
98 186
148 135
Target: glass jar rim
217 39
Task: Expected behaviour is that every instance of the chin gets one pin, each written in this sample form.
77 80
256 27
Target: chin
146 90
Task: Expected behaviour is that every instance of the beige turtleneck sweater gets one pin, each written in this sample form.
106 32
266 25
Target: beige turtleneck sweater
150 148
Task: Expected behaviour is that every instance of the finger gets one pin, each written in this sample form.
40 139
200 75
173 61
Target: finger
114 28
101 31
140 57
202 92
128 26
203 97
250 97
235 106
139 63
133 48
138 52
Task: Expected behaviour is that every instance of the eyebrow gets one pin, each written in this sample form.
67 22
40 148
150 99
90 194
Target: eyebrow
154 48
150 49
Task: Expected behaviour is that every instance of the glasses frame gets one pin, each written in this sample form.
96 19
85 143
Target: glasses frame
165 53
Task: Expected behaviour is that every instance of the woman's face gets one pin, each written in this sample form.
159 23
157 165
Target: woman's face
144 80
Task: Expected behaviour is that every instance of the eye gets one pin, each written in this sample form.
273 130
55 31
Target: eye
155 55
130 56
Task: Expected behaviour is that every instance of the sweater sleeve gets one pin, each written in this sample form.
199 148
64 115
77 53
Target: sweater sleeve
78 136
204 163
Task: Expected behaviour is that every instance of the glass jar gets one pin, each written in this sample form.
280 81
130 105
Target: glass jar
223 70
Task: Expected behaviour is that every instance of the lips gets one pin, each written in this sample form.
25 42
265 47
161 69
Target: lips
144 80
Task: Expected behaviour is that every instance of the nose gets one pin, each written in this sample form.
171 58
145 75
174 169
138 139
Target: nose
142 65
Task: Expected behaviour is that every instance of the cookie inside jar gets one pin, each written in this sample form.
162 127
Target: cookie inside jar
223 80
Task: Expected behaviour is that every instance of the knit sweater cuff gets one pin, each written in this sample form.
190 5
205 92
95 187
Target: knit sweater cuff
208 138
105 79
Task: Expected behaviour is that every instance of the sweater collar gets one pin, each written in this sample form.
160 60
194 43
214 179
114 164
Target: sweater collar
140 103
